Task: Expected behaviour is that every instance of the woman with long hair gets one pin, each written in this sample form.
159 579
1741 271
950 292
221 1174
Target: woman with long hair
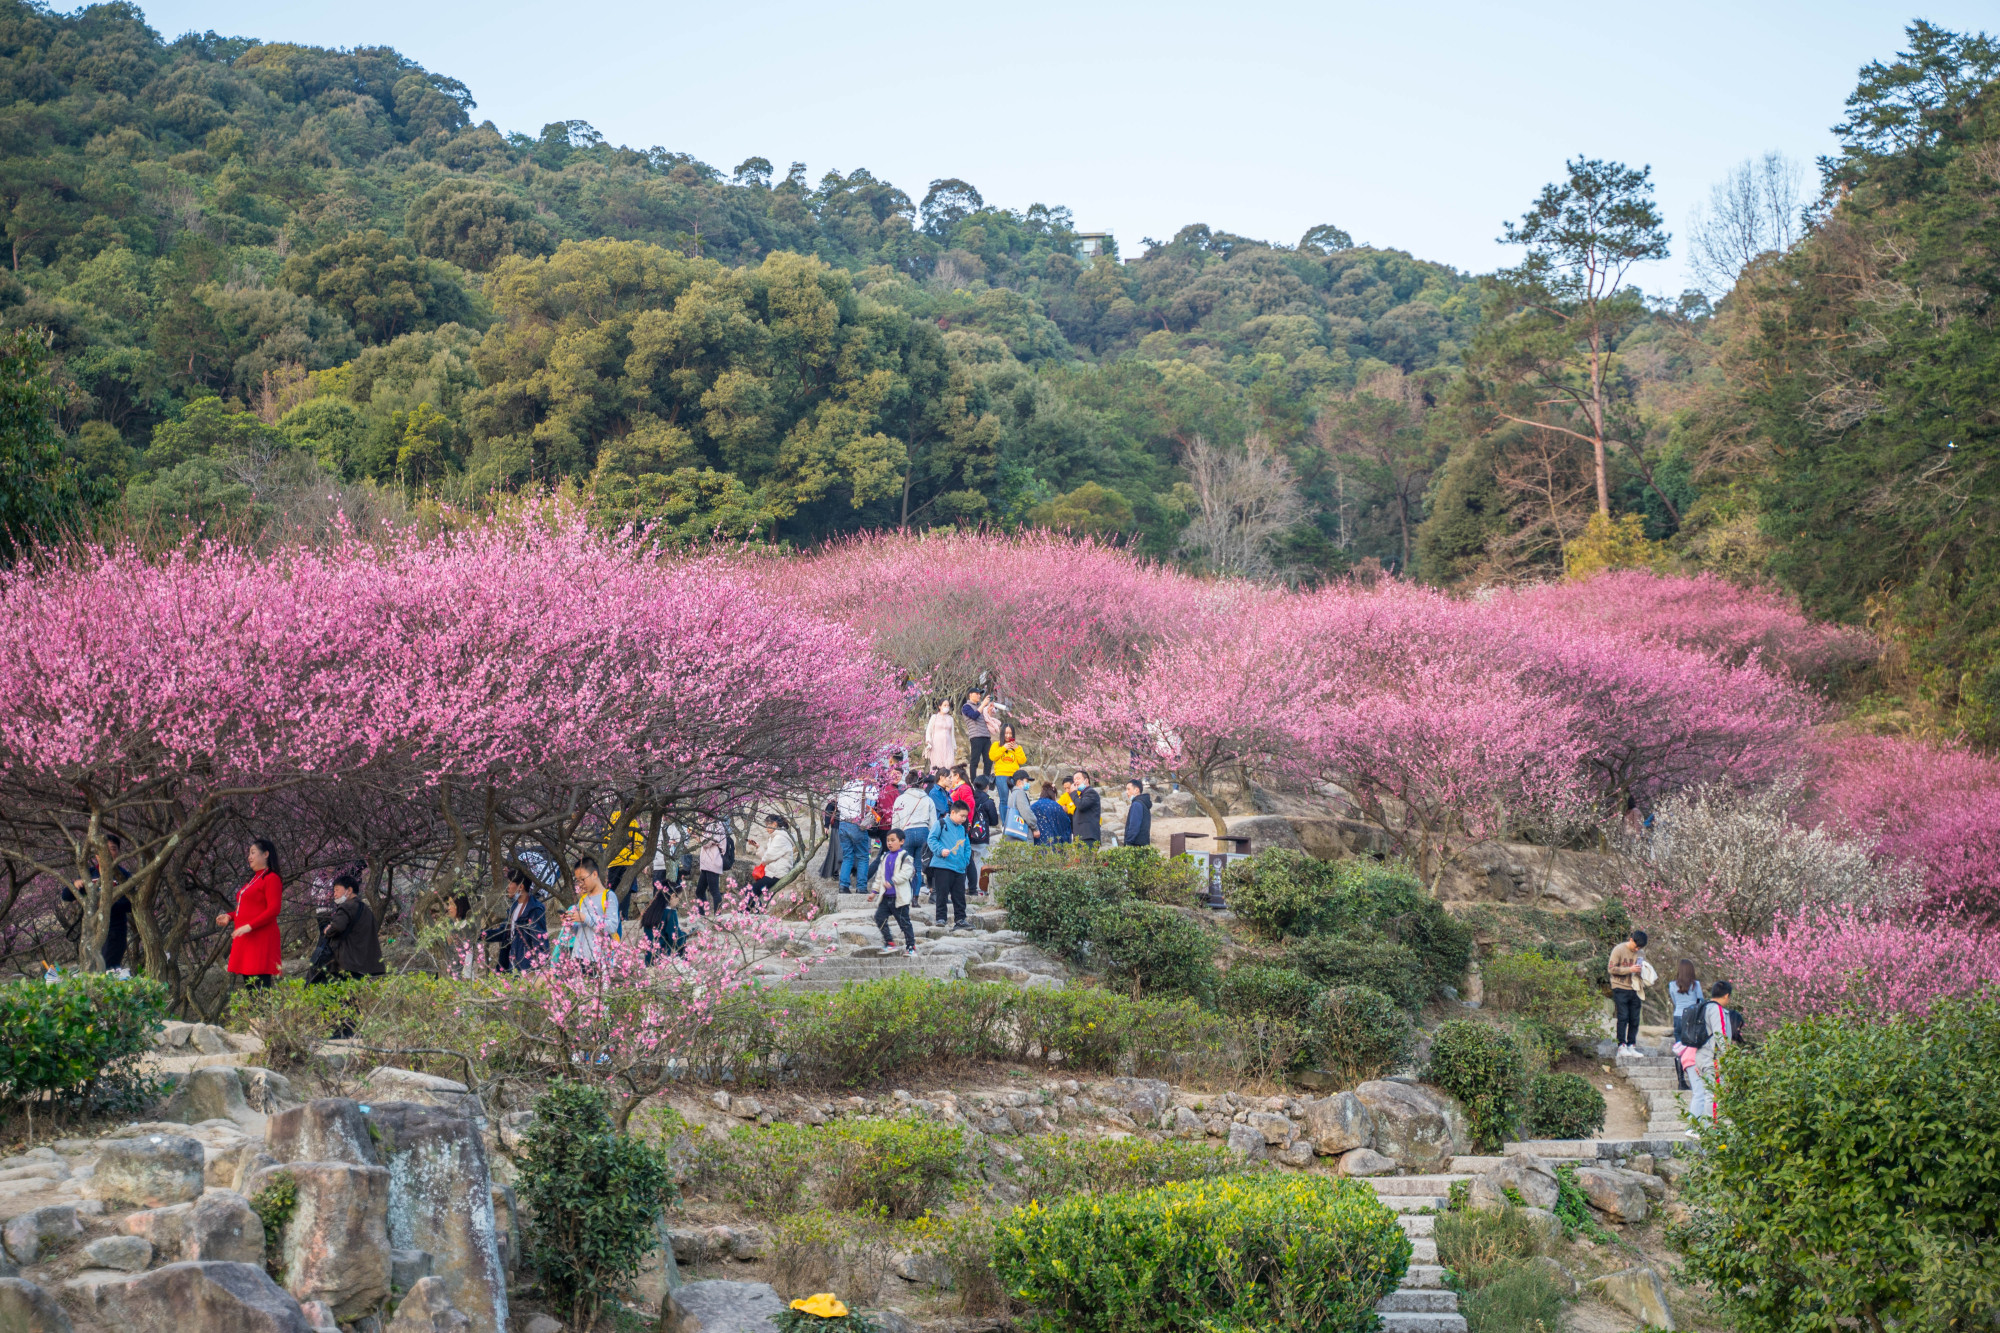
941 737
255 952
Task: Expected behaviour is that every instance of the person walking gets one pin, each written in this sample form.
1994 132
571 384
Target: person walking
525 932
595 919
255 951
351 930
915 817
1005 757
708 860
978 733
1138 814
1683 993
935 789
951 857
897 886
1625 966
1087 809
941 737
1709 1021
979 831
1020 806
1052 824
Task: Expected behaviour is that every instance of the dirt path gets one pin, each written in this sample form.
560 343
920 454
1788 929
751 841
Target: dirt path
1624 1112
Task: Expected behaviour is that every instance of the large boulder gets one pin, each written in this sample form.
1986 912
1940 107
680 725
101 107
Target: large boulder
326 1129
221 1225
408 1085
1338 1124
336 1246
147 1172
26 1308
1612 1192
33 1236
183 1297
1144 1099
441 1200
1248 1143
127 1254
428 1309
245 1095
1421 1129
1524 1173
722 1307
164 1227
1637 1291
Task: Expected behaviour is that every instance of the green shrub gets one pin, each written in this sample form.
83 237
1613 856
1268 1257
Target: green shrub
274 1205
1281 893
1062 1164
592 1199
1564 1106
1852 1145
412 1009
1519 1298
1543 1044
1359 1033
1147 873
1056 907
1573 1206
1372 961
867 1032
898 1168
1240 1252
1481 1066
1154 949
1258 988
78 1040
762 1169
1538 987
801 1321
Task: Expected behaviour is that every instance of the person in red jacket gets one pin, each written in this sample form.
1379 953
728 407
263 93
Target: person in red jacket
254 951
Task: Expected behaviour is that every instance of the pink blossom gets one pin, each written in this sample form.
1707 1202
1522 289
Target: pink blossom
1934 807
1826 959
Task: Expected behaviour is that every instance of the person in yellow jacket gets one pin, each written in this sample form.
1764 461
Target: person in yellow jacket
622 881
1007 756
1066 798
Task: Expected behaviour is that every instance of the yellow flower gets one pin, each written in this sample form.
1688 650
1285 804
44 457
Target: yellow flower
825 1305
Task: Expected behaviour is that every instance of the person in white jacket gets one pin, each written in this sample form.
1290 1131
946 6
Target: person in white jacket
897 883
915 816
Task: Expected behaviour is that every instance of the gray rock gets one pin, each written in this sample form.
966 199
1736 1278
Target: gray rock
507 1226
212 1297
747 1244
1278 1130
722 1307
220 1226
320 1316
892 1321
127 1254
164 1227
542 1323
336 1246
326 1129
1654 1187
1365 1162
441 1200
1559 1277
1613 1193
408 1267
33 1236
407 1085
428 1309
1637 1291
1187 1124
1671 1169
1042 981
26 1308
1248 1143
1546 1224
1526 1174
1143 1099
1298 1153
1338 1124
1006 972
147 1172
243 1095
1421 1129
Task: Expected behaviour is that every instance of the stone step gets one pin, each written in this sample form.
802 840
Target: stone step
1423 1323
1565 1148
1415 1184
1413 1203
1422 1277
1423 1249
1476 1166
1414 1227
1406 1301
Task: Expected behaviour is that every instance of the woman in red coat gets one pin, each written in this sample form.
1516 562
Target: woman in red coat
254 952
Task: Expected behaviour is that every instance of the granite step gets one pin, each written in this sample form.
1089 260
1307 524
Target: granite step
1415 1184
1475 1166
1422 1277
1423 1250
1414 1203
1402 1322
1414 1227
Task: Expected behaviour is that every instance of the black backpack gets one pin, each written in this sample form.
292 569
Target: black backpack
729 852
1694 1025
977 831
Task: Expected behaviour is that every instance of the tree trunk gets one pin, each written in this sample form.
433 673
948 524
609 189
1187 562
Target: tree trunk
1208 806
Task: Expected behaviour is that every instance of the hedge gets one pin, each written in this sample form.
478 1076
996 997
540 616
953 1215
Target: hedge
77 1040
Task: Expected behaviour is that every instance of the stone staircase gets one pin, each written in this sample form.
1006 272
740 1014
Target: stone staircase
1423 1304
832 973
1653 1076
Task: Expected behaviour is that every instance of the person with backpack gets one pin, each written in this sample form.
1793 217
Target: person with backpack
594 921
1626 965
951 857
1683 993
979 831
1705 1029
916 818
898 887
1020 824
661 923
1088 812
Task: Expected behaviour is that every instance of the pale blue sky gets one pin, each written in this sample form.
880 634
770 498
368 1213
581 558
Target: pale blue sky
1420 126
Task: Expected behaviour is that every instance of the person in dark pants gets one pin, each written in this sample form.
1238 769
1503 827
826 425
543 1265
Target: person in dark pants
951 858
1138 815
898 887
118 931
525 932
1087 822
351 930
1625 966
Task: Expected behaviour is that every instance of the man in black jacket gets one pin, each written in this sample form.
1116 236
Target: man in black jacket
1089 810
1138 815
351 930
525 932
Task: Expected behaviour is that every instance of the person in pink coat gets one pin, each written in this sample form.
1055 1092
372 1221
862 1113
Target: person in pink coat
941 737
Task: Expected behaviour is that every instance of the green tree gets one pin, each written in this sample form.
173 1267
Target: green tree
36 494
380 285
474 225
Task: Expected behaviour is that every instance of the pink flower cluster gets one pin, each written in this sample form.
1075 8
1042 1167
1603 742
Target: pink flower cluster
1936 808
1828 959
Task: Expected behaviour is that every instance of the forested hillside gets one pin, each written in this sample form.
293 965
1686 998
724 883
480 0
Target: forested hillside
256 271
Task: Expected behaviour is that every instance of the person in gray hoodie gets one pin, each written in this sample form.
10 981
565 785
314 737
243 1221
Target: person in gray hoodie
1020 808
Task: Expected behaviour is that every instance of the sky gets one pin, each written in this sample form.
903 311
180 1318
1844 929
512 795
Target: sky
1415 126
